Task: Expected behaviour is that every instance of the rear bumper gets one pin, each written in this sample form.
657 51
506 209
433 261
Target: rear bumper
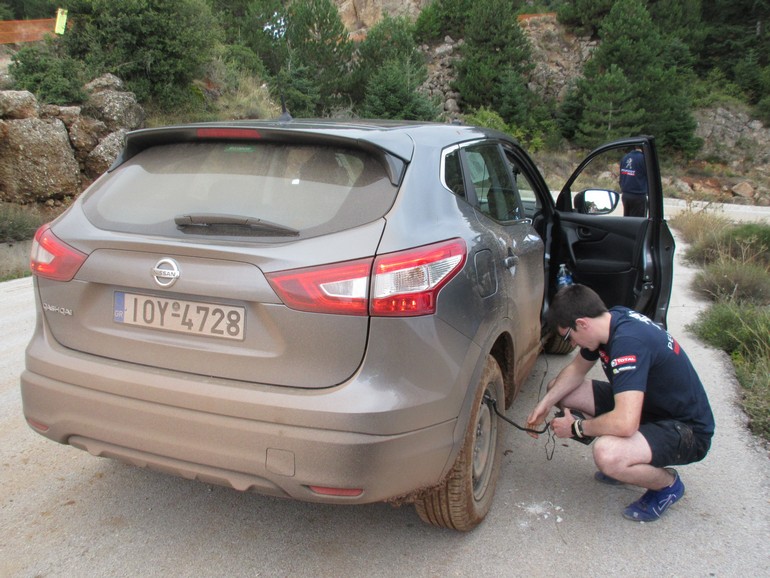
385 439
274 459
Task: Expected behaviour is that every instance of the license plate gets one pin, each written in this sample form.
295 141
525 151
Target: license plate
195 317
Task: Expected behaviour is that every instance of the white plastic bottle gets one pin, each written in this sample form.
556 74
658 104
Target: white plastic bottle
564 277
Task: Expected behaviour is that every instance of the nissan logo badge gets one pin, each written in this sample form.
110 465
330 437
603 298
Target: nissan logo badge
165 272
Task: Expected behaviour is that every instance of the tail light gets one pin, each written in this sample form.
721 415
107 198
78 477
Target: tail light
52 258
405 283
337 288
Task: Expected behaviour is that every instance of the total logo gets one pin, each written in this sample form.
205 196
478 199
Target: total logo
624 360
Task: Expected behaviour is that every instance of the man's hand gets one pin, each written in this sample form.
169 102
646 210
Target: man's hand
536 418
562 426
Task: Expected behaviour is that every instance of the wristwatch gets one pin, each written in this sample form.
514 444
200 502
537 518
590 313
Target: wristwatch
577 428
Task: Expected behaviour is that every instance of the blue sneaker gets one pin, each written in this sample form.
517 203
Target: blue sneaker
653 503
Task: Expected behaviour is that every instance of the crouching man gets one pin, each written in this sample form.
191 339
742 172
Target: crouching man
653 412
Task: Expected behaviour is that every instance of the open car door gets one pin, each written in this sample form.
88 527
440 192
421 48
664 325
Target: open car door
627 260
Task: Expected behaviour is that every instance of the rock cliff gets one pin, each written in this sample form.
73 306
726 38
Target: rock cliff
362 14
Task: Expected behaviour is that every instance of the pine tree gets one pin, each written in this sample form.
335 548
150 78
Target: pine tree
610 110
262 28
495 46
657 70
389 40
392 93
317 38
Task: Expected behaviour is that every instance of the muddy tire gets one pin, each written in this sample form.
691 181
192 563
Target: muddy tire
555 345
462 501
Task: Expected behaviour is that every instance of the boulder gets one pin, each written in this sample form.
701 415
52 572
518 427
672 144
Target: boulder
36 161
50 152
106 82
17 104
115 109
85 133
104 154
743 189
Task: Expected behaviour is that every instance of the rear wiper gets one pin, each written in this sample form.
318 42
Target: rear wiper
217 224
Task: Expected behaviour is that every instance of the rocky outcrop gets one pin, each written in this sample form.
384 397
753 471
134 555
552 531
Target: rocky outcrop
438 86
741 144
363 14
732 137
558 55
50 153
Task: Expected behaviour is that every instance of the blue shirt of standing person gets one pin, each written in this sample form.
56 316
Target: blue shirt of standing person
633 184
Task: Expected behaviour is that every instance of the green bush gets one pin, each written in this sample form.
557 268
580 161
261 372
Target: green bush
392 93
743 331
754 376
158 47
729 279
584 15
28 9
746 243
750 242
429 26
763 110
444 17
390 39
48 73
297 88
487 118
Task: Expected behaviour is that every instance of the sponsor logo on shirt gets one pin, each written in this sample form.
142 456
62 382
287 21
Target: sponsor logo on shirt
673 345
623 363
624 360
623 368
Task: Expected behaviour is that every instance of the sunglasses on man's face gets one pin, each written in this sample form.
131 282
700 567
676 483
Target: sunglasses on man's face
567 335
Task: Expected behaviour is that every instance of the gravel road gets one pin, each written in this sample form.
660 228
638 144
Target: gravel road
66 513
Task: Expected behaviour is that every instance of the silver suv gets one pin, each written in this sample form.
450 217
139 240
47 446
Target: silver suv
323 311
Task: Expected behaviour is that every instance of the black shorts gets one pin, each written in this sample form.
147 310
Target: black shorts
673 443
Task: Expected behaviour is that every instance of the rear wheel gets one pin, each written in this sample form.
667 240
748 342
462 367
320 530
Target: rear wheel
555 344
462 501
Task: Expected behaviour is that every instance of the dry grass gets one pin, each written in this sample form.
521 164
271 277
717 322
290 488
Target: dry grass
736 276
693 226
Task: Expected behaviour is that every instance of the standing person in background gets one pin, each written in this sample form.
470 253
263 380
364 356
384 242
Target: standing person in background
633 184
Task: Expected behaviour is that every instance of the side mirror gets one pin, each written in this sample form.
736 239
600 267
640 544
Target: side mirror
596 202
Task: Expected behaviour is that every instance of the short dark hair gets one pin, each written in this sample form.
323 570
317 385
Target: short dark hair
573 302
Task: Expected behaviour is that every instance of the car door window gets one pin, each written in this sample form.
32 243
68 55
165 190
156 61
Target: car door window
523 185
493 185
452 174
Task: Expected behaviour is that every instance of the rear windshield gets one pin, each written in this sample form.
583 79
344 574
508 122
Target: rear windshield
307 190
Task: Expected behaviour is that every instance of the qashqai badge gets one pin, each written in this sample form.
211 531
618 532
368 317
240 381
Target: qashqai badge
165 272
